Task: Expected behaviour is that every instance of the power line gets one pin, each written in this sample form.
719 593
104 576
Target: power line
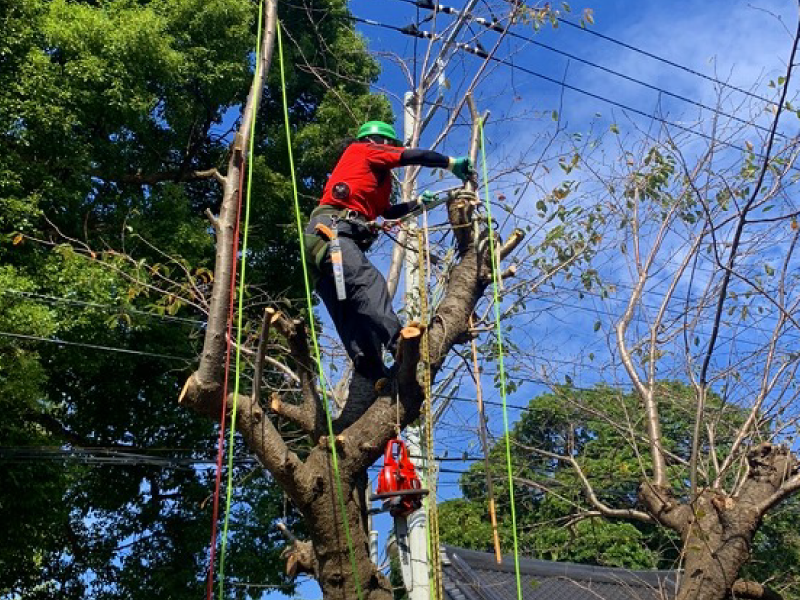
21 455
411 31
663 60
493 26
93 346
586 30
108 307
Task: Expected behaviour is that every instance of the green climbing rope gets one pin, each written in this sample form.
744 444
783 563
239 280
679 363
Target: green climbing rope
501 366
317 353
237 368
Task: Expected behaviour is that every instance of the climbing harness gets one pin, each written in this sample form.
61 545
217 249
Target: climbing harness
500 363
312 326
398 484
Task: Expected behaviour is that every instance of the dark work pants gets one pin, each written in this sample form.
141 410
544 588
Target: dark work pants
365 320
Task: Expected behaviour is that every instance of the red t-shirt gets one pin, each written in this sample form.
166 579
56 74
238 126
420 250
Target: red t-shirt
365 168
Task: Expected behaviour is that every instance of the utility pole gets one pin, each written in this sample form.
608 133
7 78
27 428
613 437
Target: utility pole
410 532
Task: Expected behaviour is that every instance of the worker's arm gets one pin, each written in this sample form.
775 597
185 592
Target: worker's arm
398 211
460 167
424 158
389 157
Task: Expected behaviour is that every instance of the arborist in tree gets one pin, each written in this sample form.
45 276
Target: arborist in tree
339 233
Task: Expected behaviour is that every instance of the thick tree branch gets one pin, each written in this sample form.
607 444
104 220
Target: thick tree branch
210 371
662 505
754 591
364 441
310 413
296 413
264 440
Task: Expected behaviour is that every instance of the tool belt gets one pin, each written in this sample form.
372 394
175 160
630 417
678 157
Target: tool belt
328 221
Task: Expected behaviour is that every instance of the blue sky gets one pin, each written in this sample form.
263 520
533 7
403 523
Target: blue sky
744 44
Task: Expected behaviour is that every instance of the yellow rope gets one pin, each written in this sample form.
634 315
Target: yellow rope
434 562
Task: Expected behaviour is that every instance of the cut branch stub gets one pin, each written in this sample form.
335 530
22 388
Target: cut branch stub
299 555
203 398
511 244
408 349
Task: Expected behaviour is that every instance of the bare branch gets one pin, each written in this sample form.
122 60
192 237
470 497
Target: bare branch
270 316
311 408
175 176
588 490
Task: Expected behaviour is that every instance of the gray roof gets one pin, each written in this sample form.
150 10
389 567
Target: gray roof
470 575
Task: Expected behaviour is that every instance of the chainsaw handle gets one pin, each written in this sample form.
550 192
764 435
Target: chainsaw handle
389 458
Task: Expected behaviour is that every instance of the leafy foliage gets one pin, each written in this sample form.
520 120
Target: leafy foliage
584 424
95 100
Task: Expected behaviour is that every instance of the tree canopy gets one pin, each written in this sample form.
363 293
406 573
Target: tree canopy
554 518
108 111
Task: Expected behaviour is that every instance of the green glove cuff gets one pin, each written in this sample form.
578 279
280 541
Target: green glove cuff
462 168
425 198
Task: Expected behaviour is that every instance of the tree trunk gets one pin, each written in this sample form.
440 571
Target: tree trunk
717 529
717 544
335 573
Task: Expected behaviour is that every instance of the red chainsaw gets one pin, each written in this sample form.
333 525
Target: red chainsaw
398 484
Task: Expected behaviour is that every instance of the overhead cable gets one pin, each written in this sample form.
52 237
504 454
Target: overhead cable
494 25
481 53
94 346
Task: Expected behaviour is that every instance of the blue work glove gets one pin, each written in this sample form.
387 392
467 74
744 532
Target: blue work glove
462 168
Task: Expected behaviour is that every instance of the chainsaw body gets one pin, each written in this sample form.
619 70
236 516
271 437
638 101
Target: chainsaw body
398 475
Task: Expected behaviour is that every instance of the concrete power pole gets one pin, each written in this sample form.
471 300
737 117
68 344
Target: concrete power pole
410 533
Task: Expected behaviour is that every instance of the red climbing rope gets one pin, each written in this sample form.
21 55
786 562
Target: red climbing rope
221 442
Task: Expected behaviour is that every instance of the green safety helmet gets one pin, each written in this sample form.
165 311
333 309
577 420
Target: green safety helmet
378 128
